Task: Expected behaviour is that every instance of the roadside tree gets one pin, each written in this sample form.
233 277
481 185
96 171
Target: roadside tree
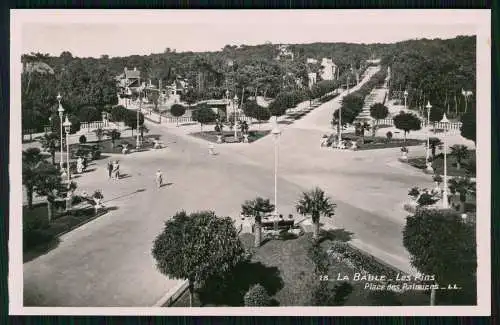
406 122
257 209
196 247
316 204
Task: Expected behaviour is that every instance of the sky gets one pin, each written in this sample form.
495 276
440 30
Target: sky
125 32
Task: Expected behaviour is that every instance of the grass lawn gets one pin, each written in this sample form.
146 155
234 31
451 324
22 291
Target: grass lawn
228 136
285 269
40 236
438 164
371 143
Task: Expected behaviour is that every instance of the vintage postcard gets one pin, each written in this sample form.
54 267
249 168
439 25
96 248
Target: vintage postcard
223 162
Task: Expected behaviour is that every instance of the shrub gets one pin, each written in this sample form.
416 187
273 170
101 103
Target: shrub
97 195
437 178
257 296
426 199
360 260
389 136
414 192
82 139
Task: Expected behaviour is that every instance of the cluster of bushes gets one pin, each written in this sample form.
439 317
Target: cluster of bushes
360 261
323 87
352 104
325 293
121 114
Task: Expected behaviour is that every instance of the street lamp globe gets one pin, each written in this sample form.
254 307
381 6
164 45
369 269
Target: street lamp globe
67 125
428 106
406 93
59 97
60 110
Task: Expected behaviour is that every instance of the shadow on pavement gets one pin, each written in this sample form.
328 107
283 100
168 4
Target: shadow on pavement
229 289
335 234
125 195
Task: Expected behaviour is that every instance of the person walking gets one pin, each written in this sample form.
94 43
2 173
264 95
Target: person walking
110 169
159 178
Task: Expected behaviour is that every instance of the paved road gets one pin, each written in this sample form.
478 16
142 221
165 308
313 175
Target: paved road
108 261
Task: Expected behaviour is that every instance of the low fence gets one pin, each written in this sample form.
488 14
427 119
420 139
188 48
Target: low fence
438 125
94 125
190 119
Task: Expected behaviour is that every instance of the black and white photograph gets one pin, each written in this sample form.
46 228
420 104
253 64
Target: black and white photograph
250 162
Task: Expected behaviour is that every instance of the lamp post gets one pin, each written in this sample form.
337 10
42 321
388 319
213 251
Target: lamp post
61 112
406 96
445 121
429 167
138 140
235 106
276 132
347 86
67 129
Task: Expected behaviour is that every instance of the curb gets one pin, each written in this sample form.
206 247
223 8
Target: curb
172 295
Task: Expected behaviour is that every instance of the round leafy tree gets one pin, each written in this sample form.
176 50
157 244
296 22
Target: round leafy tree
197 246
56 124
130 119
441 244
256 296
177 111
406 122
468 128
378 111
436 115
203 114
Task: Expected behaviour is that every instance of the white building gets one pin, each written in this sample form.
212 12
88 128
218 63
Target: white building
328 69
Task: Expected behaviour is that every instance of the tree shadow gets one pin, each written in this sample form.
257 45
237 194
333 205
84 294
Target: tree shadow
230 288
124 176
335 235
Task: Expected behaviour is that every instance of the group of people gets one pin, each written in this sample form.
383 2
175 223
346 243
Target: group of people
343 144
113 169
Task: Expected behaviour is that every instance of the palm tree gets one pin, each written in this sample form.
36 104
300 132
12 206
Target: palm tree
257 208
460 152
50 143
32 159
433 144
316 204
462 186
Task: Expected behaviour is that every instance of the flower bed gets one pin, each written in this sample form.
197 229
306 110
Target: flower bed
371 143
